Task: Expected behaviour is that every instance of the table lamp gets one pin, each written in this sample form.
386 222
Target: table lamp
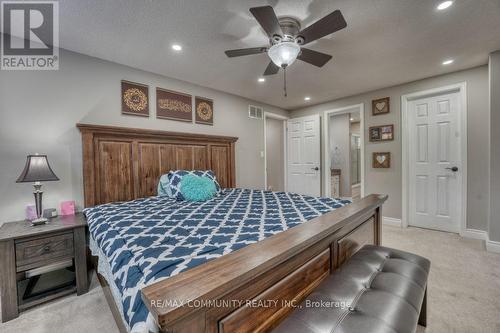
37 170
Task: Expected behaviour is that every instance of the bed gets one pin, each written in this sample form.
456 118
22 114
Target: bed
206 267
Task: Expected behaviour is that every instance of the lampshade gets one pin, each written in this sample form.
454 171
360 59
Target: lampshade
37 169
284 53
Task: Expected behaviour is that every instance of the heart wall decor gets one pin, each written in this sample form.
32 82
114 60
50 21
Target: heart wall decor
381 106
381 160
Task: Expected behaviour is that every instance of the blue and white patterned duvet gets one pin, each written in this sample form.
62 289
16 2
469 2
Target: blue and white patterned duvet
150 239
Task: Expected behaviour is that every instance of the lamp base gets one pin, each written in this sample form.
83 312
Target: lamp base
39 221
38 203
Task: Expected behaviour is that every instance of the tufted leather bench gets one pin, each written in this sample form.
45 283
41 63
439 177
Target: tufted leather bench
378 290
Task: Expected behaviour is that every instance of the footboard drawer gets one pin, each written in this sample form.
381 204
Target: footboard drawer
353 241
265 311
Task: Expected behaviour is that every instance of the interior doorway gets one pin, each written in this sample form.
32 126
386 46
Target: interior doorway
275 152
435 158
304 155
343 154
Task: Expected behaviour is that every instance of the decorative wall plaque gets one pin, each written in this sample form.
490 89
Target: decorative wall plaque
381 133
381 106
381 160
173 105
135 99
204 111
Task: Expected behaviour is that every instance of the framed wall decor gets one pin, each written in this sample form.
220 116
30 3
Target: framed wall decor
381 106
204 111
381 160
135 98
174 105
381 133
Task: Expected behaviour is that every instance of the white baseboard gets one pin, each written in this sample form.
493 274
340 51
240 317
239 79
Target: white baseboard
492 246
475 234
391 221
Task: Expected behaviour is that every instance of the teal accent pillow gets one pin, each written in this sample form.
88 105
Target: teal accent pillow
197 188
164 187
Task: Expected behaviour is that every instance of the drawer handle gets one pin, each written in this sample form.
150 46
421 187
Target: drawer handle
46 248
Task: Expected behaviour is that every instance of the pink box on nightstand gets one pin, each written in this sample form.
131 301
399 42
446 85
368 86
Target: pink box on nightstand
31 212
68 208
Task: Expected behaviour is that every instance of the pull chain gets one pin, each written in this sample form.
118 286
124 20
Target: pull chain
284 80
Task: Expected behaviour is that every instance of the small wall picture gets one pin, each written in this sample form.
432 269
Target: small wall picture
135 99
174 105
204 110
381 160
381 106
381 133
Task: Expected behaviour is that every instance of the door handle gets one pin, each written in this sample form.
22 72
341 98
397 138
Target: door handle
316 168
454 169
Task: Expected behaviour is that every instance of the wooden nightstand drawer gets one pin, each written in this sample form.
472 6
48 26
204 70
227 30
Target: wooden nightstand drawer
40 251
25 253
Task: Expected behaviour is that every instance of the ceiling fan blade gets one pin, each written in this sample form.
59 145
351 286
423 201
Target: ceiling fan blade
327 25
314 57
271 69
267 19
244 52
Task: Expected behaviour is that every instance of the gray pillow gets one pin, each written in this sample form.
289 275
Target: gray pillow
164 186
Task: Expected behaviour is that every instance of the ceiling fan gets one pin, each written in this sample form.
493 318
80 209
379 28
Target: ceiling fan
286 39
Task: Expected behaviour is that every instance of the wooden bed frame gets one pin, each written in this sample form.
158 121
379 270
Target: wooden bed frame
249 290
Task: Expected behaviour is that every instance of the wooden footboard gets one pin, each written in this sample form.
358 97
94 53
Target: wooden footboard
254 288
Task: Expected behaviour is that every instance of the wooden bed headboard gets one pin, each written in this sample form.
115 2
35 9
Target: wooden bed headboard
121 164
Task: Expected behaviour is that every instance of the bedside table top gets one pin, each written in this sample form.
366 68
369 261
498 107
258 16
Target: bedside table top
21 229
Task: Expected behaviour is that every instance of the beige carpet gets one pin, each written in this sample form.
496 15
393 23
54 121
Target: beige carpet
464 291
464 283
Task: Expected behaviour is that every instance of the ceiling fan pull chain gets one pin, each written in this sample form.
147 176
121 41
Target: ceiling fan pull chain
284 80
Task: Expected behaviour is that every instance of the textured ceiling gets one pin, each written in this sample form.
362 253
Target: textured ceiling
386 42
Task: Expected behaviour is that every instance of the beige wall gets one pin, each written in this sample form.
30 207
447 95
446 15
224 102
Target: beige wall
494 211
275 154
389 180
39 110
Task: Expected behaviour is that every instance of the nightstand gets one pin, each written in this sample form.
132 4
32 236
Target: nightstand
26 250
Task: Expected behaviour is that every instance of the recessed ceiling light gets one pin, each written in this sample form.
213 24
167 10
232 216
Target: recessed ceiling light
352 119
445 4
176 47
307 98
261 79
448 62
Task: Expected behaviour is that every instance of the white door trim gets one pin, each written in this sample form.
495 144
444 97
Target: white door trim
325 138
284 119
461 88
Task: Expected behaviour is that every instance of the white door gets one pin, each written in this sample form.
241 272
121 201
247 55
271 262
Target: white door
435 162
304 159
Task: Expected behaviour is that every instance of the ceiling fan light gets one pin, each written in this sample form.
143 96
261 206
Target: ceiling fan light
444 5
284 54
